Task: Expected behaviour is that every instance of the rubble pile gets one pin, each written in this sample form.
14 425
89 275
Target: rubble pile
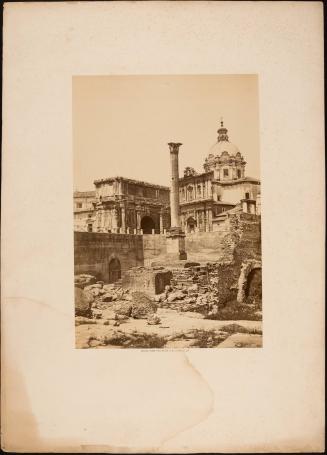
181 298
83 280
199 289
101 310
194 290
110 302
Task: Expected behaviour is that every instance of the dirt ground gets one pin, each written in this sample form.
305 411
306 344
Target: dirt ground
175 330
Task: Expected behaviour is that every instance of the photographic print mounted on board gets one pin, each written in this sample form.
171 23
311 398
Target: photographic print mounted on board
167 220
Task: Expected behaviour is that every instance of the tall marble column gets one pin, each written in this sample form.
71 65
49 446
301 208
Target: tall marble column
174 187
175 235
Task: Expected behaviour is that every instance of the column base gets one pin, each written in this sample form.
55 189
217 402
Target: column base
176 244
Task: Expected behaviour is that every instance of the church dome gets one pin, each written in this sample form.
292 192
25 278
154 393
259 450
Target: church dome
223 145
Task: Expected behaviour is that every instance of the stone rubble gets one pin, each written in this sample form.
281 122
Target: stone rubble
193 291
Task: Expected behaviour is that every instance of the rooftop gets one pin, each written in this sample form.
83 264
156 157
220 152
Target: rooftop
235 182
84 193
195 176
132 181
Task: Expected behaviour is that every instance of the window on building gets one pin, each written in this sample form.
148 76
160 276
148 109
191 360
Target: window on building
223 209
239 173
218 198
79 205
247 195
89 228
225 172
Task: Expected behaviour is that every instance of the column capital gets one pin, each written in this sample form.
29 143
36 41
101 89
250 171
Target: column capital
174 147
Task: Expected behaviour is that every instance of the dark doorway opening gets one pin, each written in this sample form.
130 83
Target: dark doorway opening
147 224
114 270
253 291
191 224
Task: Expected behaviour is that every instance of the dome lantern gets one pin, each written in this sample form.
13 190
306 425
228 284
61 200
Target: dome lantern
224 158
222 132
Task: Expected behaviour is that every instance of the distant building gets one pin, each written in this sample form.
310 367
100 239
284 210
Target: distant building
204 198
124 205
84 210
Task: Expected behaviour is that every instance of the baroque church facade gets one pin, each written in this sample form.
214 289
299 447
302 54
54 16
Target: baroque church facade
205 198
123 205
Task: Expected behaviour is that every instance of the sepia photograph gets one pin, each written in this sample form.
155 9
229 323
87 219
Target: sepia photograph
167 212
163 205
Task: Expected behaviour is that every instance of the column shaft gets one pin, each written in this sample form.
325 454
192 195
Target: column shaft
174 194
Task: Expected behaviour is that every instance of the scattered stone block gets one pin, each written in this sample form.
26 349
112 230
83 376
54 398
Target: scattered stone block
123 308
147 279
178 295
93 286
153 319
142 306
107 297
84 280
83 301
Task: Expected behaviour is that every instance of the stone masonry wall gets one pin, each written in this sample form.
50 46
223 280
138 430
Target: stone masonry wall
226 251
211 246
153 246
150 280
244 244
94 251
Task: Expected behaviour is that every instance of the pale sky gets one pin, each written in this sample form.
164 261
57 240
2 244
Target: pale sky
122 124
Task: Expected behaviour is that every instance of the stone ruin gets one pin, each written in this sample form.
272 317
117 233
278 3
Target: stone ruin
226 287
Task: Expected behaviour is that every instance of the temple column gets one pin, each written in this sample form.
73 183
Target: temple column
174 195
175 236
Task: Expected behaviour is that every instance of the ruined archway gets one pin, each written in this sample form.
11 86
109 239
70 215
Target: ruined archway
250 283
147 224
190 224
253 288
114 270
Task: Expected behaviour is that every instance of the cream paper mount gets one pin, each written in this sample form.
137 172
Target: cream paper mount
58 398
